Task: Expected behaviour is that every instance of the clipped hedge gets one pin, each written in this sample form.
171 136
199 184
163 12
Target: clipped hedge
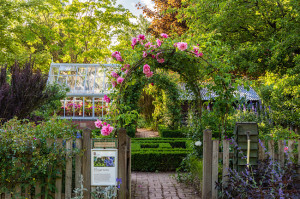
158 154
168 133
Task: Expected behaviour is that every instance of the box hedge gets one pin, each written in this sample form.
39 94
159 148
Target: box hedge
168 133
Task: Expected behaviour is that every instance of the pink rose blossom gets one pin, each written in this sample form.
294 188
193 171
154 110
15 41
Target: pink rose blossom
153 56
182 46
127 66
199 54
147 45
141 37
286 149
106 130
164 35
106 99
119 58
104 123
158 42
114 74
150 74
98 124
120 80
146 69
114 83
161 60
122 69
126 71
175 45
152 84
133 42
144 54
115 53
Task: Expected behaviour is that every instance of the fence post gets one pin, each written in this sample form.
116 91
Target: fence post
271 149
129 166
68 183
207 161
291 147
58 181
78 163
261 151
215 164
299 160
122 157
225 161
86 163
280 152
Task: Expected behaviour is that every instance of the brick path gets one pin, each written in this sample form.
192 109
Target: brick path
144 133
146 185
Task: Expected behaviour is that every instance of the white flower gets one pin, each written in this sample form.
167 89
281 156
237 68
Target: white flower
198 143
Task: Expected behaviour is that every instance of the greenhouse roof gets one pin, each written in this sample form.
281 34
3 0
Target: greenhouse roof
82 79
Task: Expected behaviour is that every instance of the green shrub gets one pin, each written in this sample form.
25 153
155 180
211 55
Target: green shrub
131 130
149 145
147 160
168 133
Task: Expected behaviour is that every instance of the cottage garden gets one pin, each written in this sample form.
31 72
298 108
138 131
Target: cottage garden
74 133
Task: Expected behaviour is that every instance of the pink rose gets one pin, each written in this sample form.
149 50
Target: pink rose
152 84
119 58
133 42
127 66
104 123
120 80
150 74
144 54
126 71
122 69
114 74
158 42
146 69
286 149
114 83
182 46
153 56
147 45
161 60
115 53
98 124
106 99
141 37
164 35
106 130
175 45
199 54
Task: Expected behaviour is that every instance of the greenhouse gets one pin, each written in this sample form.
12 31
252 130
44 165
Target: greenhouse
87 84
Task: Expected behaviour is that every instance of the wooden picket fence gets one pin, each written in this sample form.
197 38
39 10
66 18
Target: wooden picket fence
82 168
212 154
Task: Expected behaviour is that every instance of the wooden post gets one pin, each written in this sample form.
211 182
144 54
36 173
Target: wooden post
207 161
291 147
7 195
261 151
68 185
129 166
58 181
86 162
271 149
299 160
78 163
225 161
281 152
215 164
122 168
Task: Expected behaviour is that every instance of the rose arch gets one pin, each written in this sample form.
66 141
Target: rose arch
144 64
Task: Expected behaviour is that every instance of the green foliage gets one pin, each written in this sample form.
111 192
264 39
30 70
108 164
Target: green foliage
168 133
24 145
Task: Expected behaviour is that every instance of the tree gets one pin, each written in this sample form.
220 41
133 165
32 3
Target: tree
258 36
164 17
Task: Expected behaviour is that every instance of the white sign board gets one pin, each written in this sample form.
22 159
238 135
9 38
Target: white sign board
104 167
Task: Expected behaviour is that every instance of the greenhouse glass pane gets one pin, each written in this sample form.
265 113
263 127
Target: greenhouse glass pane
88 107
98 107
91 71
69 106
78 106
61 80
71 82
89 85
54 71
81 70
80 83
98 85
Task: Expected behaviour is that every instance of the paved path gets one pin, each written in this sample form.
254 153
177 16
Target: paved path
146 185
144 133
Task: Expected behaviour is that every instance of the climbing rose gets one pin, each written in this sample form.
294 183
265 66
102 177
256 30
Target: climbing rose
161 60
126 71
120 80
182 46
153 56
106 130
146 69
147 45
98 124
199 54
175 44
122 69
164 35
141 37
106 99
158 42
152 84
114 83
133 42
127 66
119 58
114 74
286 149
150 74
144 54
115 53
